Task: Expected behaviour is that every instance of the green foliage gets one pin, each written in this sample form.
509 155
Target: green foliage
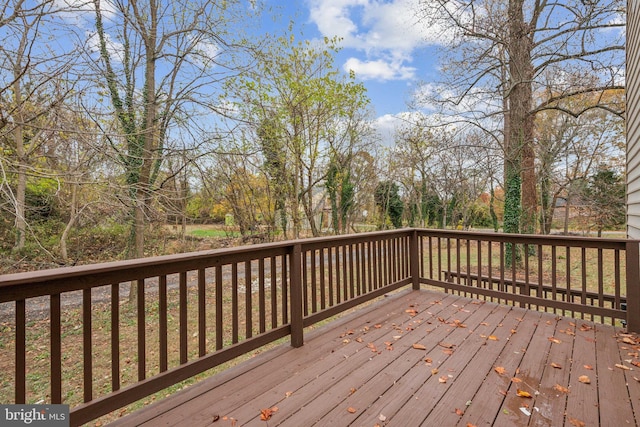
512 212
388 200
606 194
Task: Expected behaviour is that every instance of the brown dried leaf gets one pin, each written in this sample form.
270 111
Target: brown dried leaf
589 367
555 365
628 340
459 412
352 390
516 380
523 393
493 338
443 379
584 379
288 394
419 346
554 340
623 367
434 371
446 345
575 422
351 410
428 360
560 388
500 370
265 414
411 312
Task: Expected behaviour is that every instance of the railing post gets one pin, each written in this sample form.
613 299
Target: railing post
414 259
297 329
633 285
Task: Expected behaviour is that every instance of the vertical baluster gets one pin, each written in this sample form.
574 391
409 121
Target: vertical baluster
285 289
345 276
86 345
248 296
219 299
554 275
617 284
184 335
330 274
358 266
20 350
56 350
322 272
115 337
338 277
352 269
274 292
141 326
262 304
314 281
569 296
600 282
234 302
202 312
305 282
163 329
584 279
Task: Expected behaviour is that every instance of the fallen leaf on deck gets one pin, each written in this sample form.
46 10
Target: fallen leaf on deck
493 338
359 339
523 393
623 367
500 370
555 365
428 360
288 394
459 324
589 367
352 410
382 418
484 324
265 414
446 345
419 346
215 418
575 422
561 389
584 379
411 312
434 371
628 340
378 326
443 379
516 380
471 425
554 340
352 390
459 412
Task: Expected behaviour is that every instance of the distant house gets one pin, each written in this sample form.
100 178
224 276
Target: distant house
633 119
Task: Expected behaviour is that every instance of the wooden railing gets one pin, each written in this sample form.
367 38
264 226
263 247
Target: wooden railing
137 327
589 278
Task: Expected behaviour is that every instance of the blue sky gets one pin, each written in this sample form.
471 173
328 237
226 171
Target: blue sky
382 42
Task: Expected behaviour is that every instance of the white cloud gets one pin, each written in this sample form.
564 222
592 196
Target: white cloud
387 32
379 69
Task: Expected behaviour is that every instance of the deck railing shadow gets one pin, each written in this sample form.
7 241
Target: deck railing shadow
199 310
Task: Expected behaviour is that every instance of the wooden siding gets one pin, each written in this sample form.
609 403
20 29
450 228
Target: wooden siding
633 119
472 358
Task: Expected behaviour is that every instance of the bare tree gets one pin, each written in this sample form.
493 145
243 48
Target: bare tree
503 53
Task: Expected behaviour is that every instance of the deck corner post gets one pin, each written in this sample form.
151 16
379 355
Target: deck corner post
414 260
633 285
297 327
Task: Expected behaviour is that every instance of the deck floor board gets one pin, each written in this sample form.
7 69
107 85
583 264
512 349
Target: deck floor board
363 370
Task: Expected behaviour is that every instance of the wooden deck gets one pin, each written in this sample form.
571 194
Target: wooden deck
425 358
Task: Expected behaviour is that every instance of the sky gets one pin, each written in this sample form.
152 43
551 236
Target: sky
382 42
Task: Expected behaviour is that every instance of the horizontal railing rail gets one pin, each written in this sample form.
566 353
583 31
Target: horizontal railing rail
100 337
